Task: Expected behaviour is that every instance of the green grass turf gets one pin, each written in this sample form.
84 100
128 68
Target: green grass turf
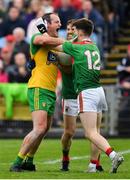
51 150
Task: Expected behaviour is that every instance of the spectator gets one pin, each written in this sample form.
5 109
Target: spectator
11 21
91 13
18 72
3 74
20 43
2 10
120 8
34 7
32 29
56 4
21 5
6 55
65 12
18 3
112 28
10 42
124 71
76 4
47 6
88 11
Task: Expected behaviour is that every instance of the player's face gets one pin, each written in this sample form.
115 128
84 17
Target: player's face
70 31
54 26
75 31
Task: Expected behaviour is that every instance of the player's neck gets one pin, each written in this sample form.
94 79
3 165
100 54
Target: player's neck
86 39
83 37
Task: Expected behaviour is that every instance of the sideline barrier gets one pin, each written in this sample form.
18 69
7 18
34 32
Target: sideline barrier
13 101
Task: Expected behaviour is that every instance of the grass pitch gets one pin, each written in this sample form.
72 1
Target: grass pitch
48 163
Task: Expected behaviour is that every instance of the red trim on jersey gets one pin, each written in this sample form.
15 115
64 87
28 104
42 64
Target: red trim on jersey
84 42
81 102
72 60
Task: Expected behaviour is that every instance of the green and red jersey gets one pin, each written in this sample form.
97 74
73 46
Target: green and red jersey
68 91
86 64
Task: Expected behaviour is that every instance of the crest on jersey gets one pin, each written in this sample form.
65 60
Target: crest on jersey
52 58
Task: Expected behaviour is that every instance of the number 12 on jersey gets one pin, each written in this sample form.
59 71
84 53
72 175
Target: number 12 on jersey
93 59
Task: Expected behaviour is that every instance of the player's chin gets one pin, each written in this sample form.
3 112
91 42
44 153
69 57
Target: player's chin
69 37
56 34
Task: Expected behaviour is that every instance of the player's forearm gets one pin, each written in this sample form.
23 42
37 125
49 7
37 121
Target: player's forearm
46 39
53 41
58 48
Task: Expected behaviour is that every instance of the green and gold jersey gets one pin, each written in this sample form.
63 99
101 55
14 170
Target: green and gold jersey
44 75
86 64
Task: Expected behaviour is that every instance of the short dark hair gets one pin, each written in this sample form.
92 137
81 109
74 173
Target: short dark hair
47 17
70 21
84 24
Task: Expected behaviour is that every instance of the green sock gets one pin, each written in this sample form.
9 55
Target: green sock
18 160
29 159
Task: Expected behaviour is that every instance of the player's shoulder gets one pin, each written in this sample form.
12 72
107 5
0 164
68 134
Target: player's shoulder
67 45
35 35
34 47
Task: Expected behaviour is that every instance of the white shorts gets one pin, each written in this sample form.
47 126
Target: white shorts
92 100
70 107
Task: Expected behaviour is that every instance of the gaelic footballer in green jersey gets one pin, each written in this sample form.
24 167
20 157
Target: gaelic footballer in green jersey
70 113
91 97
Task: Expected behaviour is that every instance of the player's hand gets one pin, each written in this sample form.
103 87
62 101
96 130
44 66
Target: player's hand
31 65
41 25
74 38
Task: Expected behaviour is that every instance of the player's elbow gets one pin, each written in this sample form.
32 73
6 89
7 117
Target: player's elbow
39 40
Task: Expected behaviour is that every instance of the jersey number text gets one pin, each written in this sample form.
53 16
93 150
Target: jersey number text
93 65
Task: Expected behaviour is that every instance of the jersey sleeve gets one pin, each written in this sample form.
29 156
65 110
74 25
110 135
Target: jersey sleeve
34 48
67 48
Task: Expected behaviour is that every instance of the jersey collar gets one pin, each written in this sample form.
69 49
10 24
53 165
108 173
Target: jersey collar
86 40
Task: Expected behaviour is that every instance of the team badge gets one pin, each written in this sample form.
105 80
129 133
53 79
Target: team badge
43 104
52 58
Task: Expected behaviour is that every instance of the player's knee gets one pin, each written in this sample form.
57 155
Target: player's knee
88 134
69 133
41 130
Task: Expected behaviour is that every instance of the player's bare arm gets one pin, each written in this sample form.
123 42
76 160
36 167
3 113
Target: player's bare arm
58 48
46 39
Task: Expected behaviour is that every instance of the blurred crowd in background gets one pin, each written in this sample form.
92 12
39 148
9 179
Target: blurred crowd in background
17 18
17 25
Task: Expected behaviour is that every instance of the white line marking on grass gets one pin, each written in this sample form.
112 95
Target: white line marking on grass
59 160
125 152
72 158
80 157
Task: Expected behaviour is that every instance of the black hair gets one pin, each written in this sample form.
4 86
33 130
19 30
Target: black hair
47 17
70 21
84 24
